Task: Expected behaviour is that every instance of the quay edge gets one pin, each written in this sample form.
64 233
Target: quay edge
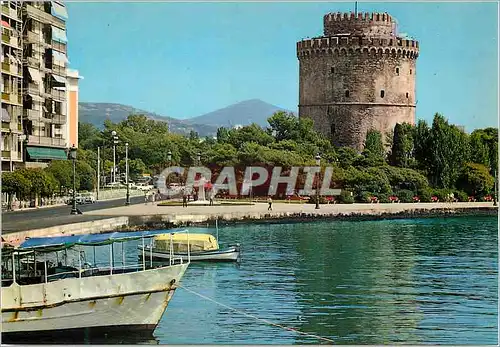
165 221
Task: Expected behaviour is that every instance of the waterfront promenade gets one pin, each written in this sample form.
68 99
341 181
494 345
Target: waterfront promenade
280 208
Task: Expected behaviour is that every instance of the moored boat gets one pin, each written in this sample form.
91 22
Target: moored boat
202 247
42 296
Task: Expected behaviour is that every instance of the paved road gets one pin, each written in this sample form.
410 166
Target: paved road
46 217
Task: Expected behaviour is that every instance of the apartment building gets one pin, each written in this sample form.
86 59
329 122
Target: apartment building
39 121
44 83
12 138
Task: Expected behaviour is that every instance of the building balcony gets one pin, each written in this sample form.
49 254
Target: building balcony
14 155
59 95
58 46
57 119
43 16
33 88
32 62
12 98
10 40
33 37
46 141
11 68
32 114
9 12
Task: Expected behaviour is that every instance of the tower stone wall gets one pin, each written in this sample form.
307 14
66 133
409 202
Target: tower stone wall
359 76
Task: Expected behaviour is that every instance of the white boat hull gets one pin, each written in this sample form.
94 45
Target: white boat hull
129 301
231 254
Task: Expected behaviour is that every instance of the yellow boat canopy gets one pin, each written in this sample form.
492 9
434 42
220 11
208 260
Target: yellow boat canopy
198 242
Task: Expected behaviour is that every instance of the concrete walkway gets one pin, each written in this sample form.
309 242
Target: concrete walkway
261 208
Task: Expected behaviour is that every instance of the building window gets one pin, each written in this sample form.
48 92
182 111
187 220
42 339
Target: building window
346 93
382 93
407 95
397 71
332 70
332 130
410 71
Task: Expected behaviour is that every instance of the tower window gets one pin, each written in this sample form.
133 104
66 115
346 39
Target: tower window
407 95
346 93
397 71
332 69
382 93
410 71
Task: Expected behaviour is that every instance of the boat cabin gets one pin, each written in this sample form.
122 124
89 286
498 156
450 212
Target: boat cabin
180 241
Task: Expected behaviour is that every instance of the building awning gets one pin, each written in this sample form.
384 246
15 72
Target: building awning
35 75
5 24
59 35
5 115
60 57
59 79
59 11
35 97
46 153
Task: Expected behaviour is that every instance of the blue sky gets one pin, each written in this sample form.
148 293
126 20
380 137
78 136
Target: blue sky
186 59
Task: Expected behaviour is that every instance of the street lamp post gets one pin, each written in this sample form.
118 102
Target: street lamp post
115 142
72 156
167 179
496 189
318 163
127 202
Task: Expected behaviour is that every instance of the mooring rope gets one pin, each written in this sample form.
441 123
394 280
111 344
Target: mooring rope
255 317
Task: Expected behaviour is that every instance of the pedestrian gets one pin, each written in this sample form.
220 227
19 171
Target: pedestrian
211 198
145 198
184 198
270 202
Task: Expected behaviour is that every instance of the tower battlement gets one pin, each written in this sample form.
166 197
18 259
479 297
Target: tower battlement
359 75
365 24
358 45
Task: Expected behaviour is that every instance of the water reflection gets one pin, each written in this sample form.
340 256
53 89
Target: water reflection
413 281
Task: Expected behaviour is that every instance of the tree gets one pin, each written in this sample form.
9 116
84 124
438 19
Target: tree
14 183
421 144
374 143
89 136
62 171
479 149
86 176
475 179
402 146
448 150
136 167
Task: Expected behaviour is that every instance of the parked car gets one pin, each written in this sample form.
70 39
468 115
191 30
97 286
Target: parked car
88 198
144 187
114 185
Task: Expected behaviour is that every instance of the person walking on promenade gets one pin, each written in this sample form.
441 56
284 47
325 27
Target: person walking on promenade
211 197
184 198
145 198
270 202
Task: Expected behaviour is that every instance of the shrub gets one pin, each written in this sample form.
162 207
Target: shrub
405 195
363 196
461 196
384 197
346 197
312 200
425 194
442 194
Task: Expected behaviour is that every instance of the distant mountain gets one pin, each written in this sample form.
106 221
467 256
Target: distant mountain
96 112
242 113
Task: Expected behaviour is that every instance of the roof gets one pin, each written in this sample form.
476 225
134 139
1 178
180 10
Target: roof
50 244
